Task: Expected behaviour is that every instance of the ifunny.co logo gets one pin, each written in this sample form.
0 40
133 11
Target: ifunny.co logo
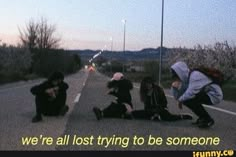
224 153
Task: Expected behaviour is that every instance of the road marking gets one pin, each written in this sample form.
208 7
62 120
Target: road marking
214 108
79 94
220 109
77 98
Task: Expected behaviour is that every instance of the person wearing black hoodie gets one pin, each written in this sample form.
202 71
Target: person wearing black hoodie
120 108
50 97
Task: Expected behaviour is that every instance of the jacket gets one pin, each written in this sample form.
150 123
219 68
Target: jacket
156 102
193 83
39 90
121 90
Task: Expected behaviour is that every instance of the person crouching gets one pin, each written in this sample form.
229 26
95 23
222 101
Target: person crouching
50 97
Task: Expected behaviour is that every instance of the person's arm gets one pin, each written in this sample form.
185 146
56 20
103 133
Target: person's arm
130 85
38 89
113 92
63 86
175 89
196 82
162 98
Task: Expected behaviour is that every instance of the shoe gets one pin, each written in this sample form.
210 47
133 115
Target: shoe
64 110
206 123
156 117
187 116
37 119
98 113
197 121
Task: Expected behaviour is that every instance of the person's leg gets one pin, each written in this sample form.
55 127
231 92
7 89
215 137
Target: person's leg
196 105
165 115
142 114
40 107
114 110
59 105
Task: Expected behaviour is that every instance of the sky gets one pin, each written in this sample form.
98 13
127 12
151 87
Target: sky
90 24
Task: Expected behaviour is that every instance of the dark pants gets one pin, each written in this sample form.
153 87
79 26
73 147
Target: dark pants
49 107
196 105
114 110
165 115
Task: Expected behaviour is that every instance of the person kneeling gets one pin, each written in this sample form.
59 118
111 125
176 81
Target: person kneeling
119 87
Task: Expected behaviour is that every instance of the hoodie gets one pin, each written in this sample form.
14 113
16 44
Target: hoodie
121 90
193 83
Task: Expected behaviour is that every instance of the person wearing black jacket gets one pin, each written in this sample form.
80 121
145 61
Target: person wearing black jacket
155 103
120 108
50 97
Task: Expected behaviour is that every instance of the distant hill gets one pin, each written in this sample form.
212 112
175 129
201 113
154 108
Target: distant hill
148 53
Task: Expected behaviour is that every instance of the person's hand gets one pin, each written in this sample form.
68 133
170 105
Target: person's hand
51 92
180 105
109 92
56 88
176 84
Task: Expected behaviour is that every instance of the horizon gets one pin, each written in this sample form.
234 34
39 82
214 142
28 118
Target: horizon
91 24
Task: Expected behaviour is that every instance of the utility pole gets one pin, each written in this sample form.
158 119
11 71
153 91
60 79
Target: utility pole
161 48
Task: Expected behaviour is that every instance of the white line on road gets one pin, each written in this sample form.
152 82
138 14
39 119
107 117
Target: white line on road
214 108
77 98
220 109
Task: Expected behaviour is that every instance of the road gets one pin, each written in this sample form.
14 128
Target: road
88 90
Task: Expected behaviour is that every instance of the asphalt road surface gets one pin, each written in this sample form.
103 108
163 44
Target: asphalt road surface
79 129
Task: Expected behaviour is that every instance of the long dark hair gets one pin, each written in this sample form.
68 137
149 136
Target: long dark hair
143 87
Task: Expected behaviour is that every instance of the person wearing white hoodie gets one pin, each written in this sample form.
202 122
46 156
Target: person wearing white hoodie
193 89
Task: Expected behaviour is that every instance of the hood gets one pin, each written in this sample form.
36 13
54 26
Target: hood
181 70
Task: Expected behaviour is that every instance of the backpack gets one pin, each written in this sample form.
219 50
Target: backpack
215 75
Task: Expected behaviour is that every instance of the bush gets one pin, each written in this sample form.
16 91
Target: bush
15 63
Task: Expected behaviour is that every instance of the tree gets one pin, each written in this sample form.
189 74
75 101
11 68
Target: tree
39 35
221 56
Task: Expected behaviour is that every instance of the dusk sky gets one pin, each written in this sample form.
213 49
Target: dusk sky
89 24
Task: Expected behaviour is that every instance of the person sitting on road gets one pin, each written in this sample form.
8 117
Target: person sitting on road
120 108
50 97
193 89
155 103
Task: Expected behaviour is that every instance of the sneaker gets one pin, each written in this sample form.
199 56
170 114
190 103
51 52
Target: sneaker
197 121
64 110
206 123
187 116
98 113
37 119
156 117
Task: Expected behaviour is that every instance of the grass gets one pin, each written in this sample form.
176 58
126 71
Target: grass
229 91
